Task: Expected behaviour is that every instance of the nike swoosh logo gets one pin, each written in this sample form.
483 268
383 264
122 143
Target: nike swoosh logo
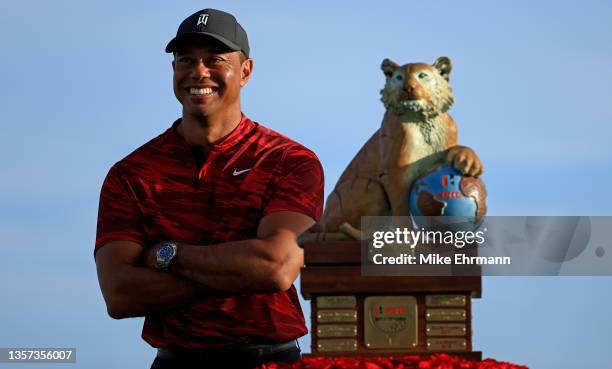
239 172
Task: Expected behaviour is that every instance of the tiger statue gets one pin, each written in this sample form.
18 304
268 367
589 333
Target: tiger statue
416 133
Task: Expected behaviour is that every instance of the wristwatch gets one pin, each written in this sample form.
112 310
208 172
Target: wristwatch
164 254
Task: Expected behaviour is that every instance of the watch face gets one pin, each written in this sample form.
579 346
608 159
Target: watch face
164 255
165 252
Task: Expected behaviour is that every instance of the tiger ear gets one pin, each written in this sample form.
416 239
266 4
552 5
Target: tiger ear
388 67
444 66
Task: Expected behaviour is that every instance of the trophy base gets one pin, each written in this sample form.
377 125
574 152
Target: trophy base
353 314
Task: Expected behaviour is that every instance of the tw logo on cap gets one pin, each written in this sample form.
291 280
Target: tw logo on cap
203 19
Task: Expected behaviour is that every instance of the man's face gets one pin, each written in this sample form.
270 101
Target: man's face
207 79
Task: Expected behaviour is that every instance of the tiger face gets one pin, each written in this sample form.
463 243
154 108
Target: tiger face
418 88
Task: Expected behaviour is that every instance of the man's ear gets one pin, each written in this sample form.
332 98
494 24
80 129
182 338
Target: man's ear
245 71
173 65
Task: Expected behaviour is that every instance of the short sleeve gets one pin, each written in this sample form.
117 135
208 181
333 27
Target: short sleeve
300 185
119 218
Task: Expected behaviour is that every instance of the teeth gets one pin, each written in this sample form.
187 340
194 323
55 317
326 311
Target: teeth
201 91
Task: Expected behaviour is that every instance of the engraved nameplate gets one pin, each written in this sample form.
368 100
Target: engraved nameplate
337 330
445 315
336 302
336 316
330 345
390 322
445 300
449 329
446 344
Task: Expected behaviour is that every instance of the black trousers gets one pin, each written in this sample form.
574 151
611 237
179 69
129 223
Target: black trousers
227 361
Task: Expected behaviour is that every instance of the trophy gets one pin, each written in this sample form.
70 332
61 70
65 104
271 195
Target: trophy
353 314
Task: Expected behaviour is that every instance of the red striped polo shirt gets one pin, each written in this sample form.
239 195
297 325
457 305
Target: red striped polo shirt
162 191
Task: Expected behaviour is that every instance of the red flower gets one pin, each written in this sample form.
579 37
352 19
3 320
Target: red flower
436 361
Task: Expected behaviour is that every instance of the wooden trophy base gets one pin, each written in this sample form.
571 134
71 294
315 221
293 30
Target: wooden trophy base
353 314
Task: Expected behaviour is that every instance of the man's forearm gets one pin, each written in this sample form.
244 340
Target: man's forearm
249 266
269 263
138 291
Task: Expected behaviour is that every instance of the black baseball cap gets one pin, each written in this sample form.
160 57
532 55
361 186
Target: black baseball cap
217 24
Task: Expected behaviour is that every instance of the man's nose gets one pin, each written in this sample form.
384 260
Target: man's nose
200 70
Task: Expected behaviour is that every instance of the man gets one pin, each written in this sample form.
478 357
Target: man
197 228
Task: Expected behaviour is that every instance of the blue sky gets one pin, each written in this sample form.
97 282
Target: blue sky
84 83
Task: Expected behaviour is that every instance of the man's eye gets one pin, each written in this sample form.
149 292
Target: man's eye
185 60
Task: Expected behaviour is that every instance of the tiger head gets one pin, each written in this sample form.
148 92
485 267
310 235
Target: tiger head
417 89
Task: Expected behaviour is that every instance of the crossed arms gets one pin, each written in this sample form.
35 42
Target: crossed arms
133 286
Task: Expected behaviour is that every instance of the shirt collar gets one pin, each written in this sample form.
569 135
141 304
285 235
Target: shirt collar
243 128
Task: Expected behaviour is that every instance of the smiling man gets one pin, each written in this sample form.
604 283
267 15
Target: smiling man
197 228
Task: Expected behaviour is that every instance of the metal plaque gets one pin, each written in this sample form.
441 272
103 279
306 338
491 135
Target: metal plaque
336 302
336 316
445 300
446 344
390 322
448 329
445 315
337 330
329 345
